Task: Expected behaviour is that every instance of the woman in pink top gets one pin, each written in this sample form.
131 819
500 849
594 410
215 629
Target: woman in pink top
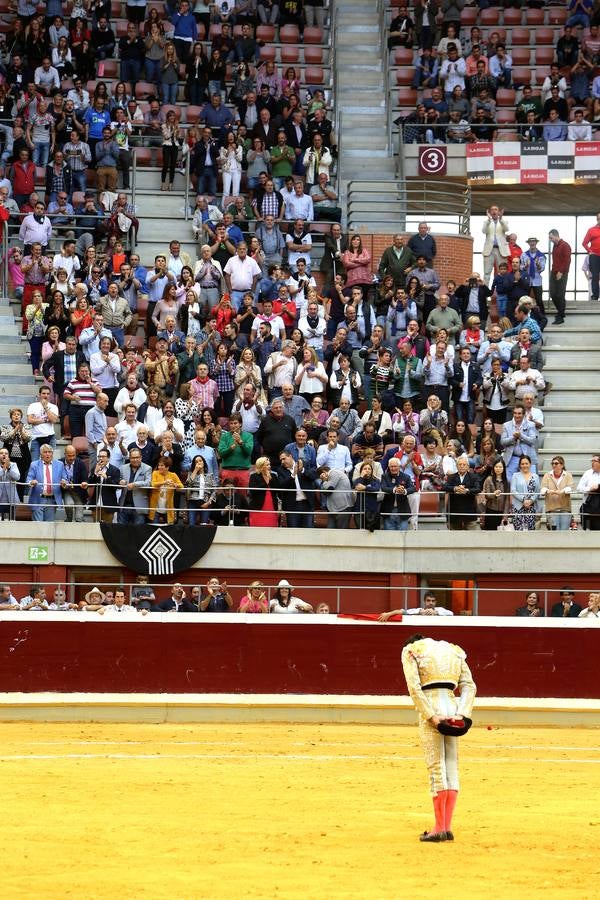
255 599
357 263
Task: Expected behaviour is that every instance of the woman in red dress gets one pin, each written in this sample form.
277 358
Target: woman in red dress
264 496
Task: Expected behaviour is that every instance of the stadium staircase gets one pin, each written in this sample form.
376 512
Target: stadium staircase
572 406
17 384
367 165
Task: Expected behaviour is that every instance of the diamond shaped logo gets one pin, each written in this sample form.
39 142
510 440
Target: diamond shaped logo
160 552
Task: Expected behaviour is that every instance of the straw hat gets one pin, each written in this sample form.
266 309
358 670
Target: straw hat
94 591
285 584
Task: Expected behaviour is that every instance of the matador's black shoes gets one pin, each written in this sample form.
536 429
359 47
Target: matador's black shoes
434 837
449 836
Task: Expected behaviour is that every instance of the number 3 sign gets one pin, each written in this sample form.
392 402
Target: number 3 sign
432 160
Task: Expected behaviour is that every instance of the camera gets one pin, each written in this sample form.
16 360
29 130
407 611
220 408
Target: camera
472 282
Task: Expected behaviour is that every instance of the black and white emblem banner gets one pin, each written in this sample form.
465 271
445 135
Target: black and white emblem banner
152 550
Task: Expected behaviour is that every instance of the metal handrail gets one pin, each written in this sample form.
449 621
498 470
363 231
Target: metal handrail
420 199
385 57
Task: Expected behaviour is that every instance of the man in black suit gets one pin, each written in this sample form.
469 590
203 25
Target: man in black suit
177 602
62 367
297 139
265 130
298 491
566 608
74 482
105 482
336 244
473 296
462 488
466 384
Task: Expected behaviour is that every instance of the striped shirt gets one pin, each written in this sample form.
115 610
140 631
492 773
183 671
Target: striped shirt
83 390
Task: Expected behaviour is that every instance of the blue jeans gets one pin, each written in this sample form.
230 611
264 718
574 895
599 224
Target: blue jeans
214 87
196 513
501 303
578 19
41 154
207 182
131 70
45 511
119 336
37 443
394 522
236 298
559 521
465 411
169 93
77 182
129 515
152 67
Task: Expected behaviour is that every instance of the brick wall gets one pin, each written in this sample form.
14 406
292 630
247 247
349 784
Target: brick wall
454 254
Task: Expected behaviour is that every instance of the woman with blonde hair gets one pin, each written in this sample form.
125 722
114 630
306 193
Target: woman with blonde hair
264 497
247 372
34 314
311 378
254 600
169 74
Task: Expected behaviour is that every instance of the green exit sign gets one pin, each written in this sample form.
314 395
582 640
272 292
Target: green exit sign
37 554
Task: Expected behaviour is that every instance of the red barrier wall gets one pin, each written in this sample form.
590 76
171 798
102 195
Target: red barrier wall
294 657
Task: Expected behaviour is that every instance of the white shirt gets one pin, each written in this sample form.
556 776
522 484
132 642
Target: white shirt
587 482
295 255
313 336
437 611
79 101
295 605
242 272
124 397
464 394
276 323
127 433
69 263
46 428
120 612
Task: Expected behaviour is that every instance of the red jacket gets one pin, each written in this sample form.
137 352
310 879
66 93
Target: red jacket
23 177
591 241
561 257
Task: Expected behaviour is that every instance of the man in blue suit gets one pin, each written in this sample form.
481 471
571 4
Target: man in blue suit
44 478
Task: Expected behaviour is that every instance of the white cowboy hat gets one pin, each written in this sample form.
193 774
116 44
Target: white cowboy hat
94 590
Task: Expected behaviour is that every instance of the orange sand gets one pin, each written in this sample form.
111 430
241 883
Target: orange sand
292 811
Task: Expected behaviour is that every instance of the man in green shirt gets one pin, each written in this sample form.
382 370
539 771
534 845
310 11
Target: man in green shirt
397 261
282 160
235 452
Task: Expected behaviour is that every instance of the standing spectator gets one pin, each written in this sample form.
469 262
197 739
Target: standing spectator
40 134
397 261
559 272
589 486
357 263
556 489
131 54
495 248
185 32
423 244
462 488
533 261
107 160
591 244
340 497
44 477
172 142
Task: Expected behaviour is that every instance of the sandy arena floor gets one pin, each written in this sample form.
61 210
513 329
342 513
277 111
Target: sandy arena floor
281 811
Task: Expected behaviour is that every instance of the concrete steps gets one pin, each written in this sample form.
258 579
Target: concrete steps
572 408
